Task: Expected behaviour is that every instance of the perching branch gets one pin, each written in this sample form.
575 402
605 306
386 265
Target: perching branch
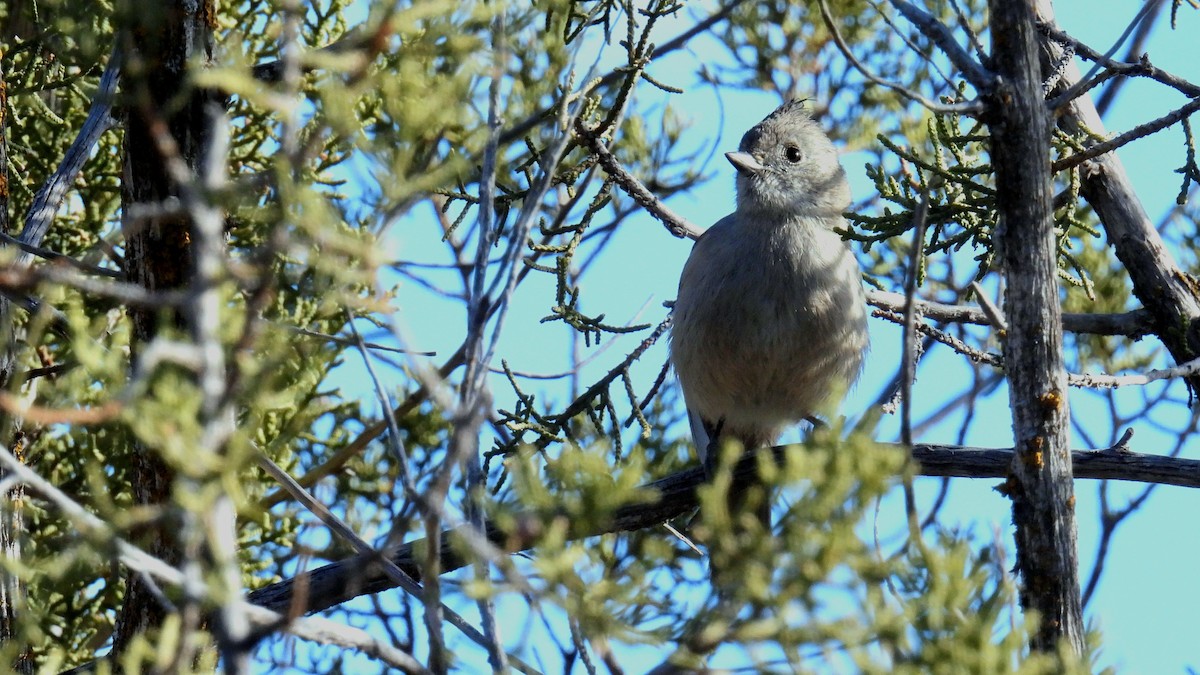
359 575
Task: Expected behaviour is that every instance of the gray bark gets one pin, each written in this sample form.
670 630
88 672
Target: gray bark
1040 484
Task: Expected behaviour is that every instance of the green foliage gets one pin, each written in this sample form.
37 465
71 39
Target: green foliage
340 175
53 53
948 173
304 262
814 593
950 169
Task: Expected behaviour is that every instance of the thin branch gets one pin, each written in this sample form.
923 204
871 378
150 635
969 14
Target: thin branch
1151 127
18 279
908 363
319 630
965 25
347 341
1082 380
1134 52
1087 82
272 72
979 77
1133 324
1159 283
676 224
406 578
368 435
1182 370
325 631
976 355
968 108
676 43
56 257
22 409
1142 68
994 314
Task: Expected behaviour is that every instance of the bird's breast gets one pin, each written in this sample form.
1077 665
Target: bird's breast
771 330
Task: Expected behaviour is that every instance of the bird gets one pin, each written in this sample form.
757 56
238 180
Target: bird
769 321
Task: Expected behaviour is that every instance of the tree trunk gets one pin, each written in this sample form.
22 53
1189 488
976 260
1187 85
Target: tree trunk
164 120
12 589
1040 483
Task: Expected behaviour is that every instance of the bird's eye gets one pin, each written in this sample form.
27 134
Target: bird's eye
792 153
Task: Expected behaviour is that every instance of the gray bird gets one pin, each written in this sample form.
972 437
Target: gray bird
770 319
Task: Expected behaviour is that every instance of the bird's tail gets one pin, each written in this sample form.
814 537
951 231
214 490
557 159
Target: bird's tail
747 494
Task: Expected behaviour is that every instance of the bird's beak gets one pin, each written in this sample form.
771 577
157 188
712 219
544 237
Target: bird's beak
745 163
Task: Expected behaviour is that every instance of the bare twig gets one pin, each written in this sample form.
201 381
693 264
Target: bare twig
1132 324
935 30
968 108
676 43
1086 82
1182 370
397 576
325 631
994 314
943 337
14 279
75 416
349 342
1140 131
908 363
1134 52
1142 68
56 257
1164 289
676 224
368 435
